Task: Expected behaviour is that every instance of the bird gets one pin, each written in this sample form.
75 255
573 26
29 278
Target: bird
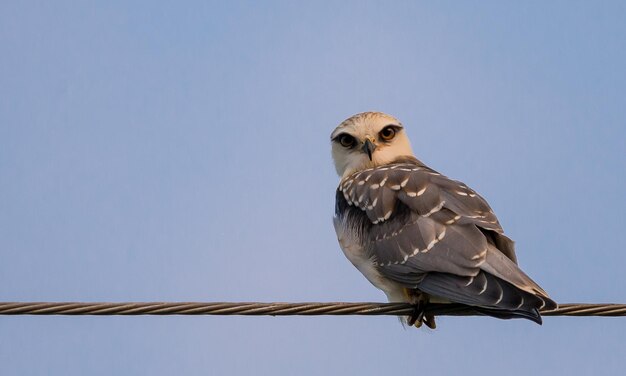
419 236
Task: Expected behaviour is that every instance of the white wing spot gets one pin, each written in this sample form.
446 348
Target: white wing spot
395 187
484 288
430 245
361 182
382 182
403 183
472 194
360 199
435 209
435 241
460 193
480 255
471 279
441 236
501 296
411 194
416 251
387 215
374 186
421 191
451 221
374 202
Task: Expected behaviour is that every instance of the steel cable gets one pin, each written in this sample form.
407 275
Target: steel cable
277 309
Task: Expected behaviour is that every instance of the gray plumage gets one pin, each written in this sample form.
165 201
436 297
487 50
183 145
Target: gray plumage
425 231
419 236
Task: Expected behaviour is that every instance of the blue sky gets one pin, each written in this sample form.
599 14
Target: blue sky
179 151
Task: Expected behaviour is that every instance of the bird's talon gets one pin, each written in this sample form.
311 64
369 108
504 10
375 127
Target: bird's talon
417 317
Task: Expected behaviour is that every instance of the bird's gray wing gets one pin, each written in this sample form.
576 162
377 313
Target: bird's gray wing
426 231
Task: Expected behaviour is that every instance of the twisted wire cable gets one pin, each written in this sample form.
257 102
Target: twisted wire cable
277 309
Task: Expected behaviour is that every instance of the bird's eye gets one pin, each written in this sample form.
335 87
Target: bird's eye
346 140
388 133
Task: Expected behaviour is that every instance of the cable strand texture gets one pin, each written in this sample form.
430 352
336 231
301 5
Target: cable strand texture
277 309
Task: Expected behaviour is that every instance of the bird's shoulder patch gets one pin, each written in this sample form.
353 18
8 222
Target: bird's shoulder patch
379 191
375 190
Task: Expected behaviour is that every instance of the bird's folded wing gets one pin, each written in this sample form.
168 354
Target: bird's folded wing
421 222
495 296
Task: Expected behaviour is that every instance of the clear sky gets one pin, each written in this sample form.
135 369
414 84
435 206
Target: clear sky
178 151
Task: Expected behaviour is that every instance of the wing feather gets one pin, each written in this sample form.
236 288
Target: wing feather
430 232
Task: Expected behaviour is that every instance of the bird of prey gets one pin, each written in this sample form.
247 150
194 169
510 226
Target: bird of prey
420 236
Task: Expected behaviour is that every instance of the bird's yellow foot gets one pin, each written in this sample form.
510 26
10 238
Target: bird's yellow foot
419 300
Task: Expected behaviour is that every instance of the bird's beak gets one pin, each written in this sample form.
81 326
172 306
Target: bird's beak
368 148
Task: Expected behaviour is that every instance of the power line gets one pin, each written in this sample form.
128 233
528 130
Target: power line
277 309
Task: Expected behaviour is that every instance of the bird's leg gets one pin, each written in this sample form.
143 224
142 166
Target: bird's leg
419 316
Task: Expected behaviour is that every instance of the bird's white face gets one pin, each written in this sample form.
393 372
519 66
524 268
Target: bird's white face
368 139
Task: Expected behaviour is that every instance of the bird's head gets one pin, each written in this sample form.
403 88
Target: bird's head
368 139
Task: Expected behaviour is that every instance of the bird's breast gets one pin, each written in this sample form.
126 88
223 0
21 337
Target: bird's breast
352 247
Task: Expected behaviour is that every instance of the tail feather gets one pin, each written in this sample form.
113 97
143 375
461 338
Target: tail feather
487 294
532 314
498 264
